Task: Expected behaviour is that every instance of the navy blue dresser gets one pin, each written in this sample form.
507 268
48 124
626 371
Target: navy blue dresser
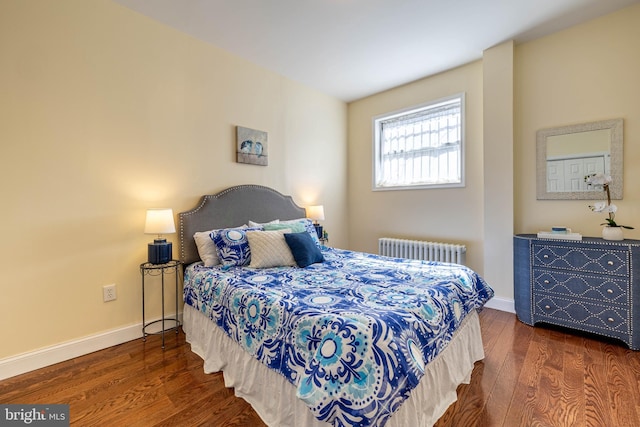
592 285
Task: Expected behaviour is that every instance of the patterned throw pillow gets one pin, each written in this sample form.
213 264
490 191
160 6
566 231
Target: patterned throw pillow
308 226
269 249
232 245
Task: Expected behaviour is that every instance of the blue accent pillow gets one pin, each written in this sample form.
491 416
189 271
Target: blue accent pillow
303 248
232 245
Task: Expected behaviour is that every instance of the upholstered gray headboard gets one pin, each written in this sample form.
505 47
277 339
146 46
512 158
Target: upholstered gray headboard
230 208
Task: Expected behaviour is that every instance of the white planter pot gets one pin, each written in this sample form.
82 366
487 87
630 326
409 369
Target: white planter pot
612 233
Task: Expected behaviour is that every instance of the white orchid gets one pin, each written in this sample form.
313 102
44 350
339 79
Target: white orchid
602 207
603 180
598 179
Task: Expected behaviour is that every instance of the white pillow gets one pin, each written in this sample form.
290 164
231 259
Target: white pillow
269 249
206 248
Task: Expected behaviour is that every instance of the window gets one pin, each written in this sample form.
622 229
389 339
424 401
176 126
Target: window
421 147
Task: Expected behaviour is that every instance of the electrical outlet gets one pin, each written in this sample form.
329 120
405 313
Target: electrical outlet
109 292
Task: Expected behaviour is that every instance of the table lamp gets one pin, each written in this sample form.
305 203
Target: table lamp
160 221
316 213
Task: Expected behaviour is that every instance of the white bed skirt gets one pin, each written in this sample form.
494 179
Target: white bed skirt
274 398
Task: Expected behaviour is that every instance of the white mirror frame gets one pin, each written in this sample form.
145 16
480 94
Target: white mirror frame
616 127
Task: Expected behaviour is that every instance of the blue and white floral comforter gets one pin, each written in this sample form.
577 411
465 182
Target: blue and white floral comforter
352 334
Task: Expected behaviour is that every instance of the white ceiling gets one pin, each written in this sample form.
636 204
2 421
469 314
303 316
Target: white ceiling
354 48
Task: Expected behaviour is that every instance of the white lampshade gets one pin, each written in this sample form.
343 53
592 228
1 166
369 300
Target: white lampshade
316 212
159 221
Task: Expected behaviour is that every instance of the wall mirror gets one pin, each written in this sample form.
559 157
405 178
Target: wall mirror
565 155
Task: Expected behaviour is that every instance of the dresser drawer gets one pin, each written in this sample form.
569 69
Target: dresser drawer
602 319
584 259
594 287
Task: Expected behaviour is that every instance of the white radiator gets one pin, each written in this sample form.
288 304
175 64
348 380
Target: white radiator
419 249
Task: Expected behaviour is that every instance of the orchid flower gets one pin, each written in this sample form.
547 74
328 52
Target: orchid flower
598 179
603 180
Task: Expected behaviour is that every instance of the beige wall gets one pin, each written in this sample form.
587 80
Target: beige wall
497 163
452 215
480 215
584 74
104 113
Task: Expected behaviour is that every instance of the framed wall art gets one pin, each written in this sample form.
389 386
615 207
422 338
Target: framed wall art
252 146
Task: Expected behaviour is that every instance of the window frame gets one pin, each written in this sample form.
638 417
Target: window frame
377 146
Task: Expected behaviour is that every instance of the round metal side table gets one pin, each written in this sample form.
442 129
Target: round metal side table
168 323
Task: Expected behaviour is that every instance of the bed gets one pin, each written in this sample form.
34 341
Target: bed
350 339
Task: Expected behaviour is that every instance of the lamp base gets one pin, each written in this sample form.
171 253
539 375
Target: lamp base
318 230
160 251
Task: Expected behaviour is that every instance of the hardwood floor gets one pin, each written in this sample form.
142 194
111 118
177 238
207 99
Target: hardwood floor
529 377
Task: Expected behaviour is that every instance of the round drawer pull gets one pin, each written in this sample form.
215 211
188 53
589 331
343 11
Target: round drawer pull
610 262
610 319
546 307
609 291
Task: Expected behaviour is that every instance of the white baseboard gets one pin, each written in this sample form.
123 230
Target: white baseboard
30 361
502 304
